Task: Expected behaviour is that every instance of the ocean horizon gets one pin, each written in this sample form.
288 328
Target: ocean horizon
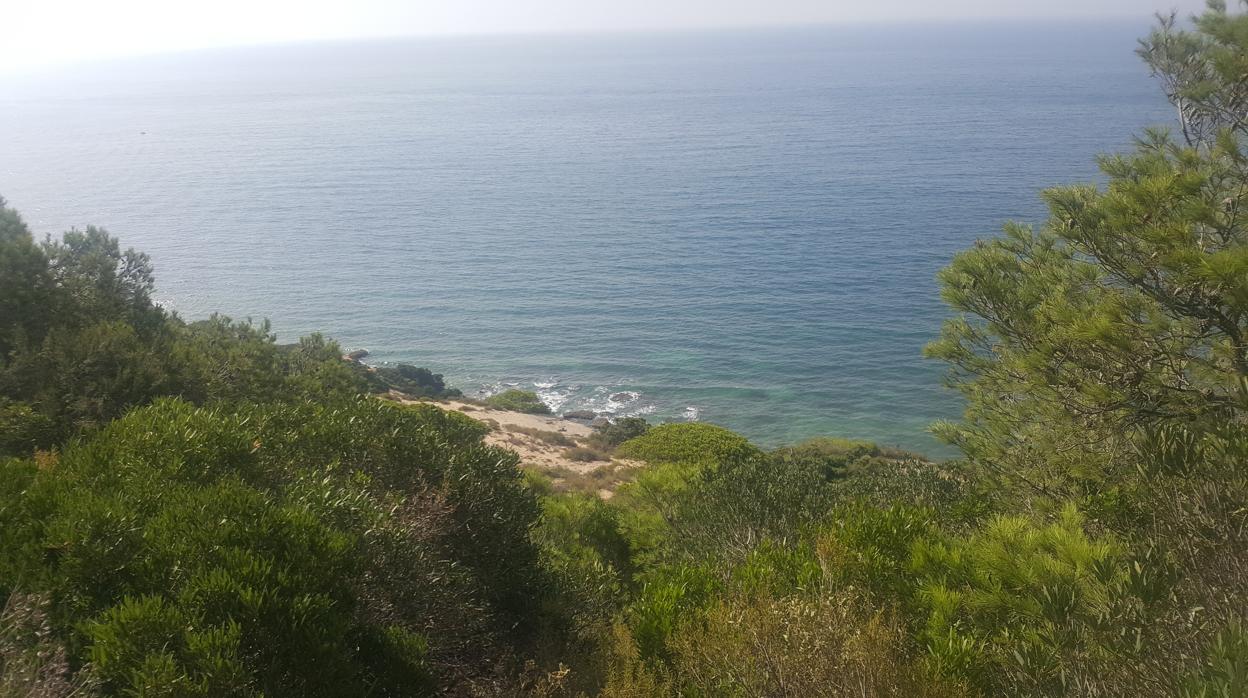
739 226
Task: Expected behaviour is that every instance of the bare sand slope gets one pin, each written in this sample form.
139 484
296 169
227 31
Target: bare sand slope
542 441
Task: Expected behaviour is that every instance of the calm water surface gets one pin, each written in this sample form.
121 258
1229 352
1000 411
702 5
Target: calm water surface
737 227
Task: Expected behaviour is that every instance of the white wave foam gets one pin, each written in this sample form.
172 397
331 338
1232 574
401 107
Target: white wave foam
489 390
554 399
691 414
608 399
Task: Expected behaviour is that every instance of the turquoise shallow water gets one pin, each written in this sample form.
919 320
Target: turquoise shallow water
737 227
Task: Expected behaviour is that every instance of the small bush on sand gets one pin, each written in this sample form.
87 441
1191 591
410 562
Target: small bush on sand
552 438
615 433
518 401
688 443
585 455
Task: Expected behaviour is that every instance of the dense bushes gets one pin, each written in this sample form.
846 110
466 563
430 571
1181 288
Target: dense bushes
267 532
220 359
410 380
80 339
616 432
81 342
1104 358
518 401
688 443
284 550
1030 609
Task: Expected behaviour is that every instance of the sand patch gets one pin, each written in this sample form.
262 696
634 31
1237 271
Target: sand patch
542 441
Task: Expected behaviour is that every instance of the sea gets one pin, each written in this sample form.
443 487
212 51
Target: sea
740 227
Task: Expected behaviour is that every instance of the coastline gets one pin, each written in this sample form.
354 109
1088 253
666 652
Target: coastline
535 438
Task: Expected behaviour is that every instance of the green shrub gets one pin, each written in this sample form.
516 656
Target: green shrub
821 645
81 342
777 570
719 508
948 487
688 443
148 644
827 456
648 504
1031 609
584 455
1224 671
23 429
582 541
668 597
89 375
518 401
617 432
829 447
725 512
223 359
283 549
411 380
399 657
871 548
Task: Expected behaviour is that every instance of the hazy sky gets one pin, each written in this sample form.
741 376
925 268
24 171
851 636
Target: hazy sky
42 32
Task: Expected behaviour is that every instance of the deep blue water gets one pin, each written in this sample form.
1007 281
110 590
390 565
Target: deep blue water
738 227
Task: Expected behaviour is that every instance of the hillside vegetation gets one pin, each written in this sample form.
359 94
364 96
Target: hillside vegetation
190 509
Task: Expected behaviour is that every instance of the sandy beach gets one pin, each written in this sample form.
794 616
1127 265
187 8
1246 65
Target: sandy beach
533 438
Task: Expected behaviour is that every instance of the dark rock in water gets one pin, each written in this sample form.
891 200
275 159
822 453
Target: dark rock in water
623 397
585 415
357 354
599 422
417 381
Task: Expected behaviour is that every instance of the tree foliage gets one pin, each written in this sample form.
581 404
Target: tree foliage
518 401
1104 356
81 342
283 550
412 381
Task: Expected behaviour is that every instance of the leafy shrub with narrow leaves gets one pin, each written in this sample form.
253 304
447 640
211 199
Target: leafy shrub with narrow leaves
669 596
825 645
518 401
580 536
828 455
1224 673
616 432
413 381
693 442
870 548
304 549
1027 609
220 359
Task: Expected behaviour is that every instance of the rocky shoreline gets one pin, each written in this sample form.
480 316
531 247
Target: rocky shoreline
408 382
